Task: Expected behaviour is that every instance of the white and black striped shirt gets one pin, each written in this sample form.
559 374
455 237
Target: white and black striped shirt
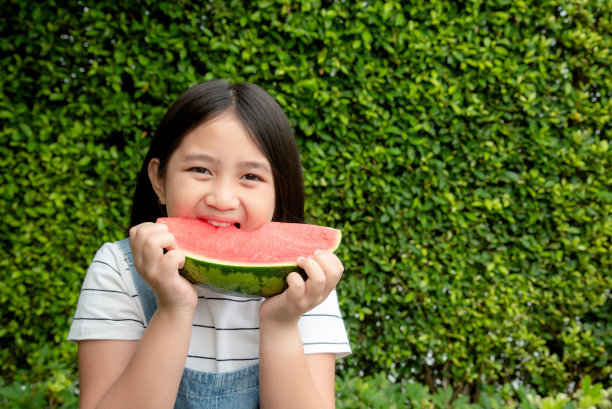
225 334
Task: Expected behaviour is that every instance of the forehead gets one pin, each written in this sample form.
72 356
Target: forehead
224 137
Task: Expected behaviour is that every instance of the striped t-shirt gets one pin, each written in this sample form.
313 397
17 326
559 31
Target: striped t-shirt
225 334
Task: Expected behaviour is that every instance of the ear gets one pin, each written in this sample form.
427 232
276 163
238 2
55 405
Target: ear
157 181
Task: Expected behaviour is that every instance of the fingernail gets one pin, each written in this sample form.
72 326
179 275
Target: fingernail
300 260
319 252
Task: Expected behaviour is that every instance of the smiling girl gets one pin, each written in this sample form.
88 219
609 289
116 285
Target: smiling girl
224 153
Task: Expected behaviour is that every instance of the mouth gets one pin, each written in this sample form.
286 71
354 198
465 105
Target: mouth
222 224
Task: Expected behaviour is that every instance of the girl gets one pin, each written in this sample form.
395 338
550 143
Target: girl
146 336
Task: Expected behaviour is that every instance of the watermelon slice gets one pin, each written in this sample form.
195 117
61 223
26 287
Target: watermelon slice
231 261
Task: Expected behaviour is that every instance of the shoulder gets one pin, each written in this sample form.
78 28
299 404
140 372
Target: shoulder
108 306
107 270
111 256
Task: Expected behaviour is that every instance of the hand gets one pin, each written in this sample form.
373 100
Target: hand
159 268
324 270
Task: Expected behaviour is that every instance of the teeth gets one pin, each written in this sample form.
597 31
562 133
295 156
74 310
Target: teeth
218 224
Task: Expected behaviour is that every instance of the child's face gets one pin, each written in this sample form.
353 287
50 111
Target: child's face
218 174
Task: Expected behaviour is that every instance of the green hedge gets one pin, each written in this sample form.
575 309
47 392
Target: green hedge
375 392
462 147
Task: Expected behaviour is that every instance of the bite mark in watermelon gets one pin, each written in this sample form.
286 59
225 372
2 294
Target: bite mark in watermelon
247 264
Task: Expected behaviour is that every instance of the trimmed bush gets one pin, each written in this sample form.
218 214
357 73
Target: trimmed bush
462 147
375 392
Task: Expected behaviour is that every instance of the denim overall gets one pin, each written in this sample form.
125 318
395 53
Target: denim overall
224 390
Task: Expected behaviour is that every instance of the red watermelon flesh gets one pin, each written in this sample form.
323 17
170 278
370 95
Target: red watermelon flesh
256 263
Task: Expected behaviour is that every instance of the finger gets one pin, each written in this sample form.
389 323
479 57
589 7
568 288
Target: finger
151 248
331 266
143 230
316 276
159 240
173 260
297 287
148 241
329 258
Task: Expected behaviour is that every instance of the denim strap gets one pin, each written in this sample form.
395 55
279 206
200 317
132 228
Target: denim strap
145 294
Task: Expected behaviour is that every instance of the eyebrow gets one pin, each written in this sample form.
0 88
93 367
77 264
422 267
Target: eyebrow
199 157
248 164
254 164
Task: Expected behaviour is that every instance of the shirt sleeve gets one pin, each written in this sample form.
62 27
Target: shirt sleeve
108 306
323 331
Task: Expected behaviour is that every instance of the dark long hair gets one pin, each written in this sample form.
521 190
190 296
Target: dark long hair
265 123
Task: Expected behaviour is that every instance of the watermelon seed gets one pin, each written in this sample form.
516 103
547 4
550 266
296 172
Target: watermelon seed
237 225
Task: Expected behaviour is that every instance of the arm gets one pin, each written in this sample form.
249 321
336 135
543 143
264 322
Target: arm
116 374
288 377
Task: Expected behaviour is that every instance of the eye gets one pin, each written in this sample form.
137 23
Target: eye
252 177
200 170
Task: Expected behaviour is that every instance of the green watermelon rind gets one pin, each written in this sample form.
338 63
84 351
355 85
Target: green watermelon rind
239 280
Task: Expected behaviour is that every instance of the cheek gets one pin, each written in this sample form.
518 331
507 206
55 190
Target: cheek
173 209
261 208
179 200
271 205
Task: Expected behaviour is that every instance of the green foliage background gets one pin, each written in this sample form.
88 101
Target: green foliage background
462 147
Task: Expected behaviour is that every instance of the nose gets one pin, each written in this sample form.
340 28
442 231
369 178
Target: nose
222 196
